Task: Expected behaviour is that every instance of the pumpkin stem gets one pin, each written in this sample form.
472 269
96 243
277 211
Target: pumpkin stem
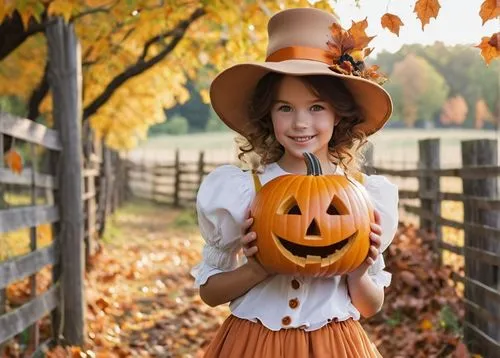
313 165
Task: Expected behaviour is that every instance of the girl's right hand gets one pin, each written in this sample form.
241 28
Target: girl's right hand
250 248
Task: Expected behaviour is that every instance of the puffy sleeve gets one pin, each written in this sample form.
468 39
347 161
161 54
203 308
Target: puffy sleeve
384 195
221 204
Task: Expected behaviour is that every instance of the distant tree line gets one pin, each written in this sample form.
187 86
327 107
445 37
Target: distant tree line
432 86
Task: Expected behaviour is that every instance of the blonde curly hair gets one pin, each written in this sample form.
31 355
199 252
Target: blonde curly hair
347 139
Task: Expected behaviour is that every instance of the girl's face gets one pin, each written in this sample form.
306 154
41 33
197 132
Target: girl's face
302 122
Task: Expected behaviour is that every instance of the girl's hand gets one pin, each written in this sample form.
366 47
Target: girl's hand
375 241
250 249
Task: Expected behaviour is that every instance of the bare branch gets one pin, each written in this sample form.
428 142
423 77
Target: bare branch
38 95
13 34
140 66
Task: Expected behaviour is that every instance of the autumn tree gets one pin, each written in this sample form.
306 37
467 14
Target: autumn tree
454 111
422 89
137 55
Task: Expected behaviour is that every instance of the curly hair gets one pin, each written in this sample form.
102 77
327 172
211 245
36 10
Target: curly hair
347 137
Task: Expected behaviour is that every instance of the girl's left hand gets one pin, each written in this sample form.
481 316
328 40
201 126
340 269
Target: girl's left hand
373 252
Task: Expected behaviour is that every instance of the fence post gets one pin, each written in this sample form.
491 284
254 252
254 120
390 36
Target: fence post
201 167
3 291
34 331
177 182
429 158
481 152
65 81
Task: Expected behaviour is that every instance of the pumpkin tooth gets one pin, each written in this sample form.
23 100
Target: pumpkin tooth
313 259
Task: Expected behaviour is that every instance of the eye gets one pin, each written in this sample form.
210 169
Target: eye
285 108
317 108
289 207
337 207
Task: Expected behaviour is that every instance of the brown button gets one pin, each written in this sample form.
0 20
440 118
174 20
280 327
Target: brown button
293 303
295 284
286 320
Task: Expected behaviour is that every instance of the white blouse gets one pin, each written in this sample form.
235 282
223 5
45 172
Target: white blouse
280 301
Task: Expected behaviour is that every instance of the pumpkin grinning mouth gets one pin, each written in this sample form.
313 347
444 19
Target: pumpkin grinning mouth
324 255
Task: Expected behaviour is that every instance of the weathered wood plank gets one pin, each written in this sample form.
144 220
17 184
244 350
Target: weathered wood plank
493 346
25 178
89 195
18 218
18 320
480 311
29 131
476 172
459 250
429 158
20 267
475 253
90 172
474 228
476 201
66 84
486 290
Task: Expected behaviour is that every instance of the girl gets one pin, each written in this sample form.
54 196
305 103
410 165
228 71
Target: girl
292 103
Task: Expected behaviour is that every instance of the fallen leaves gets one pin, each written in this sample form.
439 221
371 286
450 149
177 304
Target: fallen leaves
422 310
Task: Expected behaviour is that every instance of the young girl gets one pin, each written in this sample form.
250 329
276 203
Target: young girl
292 103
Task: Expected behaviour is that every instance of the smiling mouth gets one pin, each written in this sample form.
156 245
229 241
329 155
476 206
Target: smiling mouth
307 255
303 139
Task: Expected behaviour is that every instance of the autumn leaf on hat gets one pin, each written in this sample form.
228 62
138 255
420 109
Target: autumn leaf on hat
349 49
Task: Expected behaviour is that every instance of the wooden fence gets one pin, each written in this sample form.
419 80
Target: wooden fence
177 183
79 187
479 174
174 183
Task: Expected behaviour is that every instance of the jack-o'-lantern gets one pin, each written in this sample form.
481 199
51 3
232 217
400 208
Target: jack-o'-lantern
312 225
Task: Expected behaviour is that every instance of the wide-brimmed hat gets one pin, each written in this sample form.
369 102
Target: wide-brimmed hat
298 45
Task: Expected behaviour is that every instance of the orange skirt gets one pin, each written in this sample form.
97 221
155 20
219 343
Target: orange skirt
245 339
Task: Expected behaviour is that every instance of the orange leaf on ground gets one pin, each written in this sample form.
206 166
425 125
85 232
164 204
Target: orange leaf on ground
391 22
489 48
14 161
489 10
426 9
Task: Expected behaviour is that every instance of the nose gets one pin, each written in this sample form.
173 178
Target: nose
301 120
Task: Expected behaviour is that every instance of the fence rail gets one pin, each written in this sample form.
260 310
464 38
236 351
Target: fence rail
24 317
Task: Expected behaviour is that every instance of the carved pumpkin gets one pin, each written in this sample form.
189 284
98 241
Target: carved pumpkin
314 224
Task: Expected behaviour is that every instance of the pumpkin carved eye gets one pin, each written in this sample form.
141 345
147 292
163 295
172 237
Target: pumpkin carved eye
337 207
290 207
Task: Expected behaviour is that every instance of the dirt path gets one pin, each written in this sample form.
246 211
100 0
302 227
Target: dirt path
140 296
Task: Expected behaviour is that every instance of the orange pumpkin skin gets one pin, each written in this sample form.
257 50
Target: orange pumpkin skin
334 213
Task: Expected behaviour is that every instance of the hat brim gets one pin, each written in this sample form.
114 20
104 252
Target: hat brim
232 90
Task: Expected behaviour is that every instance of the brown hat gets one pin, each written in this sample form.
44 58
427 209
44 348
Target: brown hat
298 46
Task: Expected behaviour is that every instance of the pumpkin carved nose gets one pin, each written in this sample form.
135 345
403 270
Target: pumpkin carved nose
313 232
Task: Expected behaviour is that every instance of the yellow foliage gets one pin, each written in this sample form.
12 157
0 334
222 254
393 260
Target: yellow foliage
113 41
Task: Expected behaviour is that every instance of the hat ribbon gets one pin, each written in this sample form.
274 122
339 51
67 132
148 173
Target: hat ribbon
301 53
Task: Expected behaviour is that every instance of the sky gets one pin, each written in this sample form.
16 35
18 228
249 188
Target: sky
458 22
